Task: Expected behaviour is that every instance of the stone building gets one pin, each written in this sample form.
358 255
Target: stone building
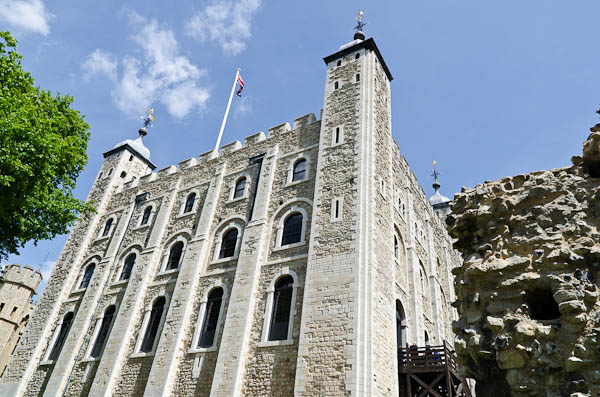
293 263
528 292
17 287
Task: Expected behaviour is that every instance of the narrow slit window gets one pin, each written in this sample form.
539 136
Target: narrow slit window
336 209
1 306
228 244
146 216
105 326
62 336
336 85
211 318
175 256
292 229
282 306
153 325
357 56
189 203
107 227
339 63
87 276
396 249
357 78
128 267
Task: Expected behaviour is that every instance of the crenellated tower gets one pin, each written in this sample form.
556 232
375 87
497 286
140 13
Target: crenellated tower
17 287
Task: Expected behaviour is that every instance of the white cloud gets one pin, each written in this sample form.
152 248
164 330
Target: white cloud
243 106
28 15
100 63
226 22
160 74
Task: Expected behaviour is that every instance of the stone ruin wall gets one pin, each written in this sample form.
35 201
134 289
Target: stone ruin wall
527 293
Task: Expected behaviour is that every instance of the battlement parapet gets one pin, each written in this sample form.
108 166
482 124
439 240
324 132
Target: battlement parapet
225 150
230 148
279 129
304 121
254 139
26 275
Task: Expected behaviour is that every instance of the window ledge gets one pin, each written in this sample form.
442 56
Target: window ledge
119 283
294 245
101 238
90 360
140 227
185 214
167 272
78 290
142 354
296 182
47 362
234 200
203 349
270 343
223 260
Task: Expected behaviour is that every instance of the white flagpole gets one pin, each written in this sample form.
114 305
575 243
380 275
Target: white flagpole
227 111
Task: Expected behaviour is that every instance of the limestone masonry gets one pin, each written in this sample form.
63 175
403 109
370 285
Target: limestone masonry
293 263
528 290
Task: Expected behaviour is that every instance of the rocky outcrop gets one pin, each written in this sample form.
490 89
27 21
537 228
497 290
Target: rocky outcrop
527 292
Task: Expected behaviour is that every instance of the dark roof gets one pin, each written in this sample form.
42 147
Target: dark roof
132 150
368 44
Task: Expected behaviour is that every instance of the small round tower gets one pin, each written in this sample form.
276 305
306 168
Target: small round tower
17 287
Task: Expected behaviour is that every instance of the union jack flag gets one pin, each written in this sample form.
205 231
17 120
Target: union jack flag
240 81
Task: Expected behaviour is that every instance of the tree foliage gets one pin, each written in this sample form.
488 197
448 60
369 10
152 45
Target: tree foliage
43 146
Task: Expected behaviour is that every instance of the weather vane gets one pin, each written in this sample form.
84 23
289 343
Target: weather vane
148 121
359 22
436 173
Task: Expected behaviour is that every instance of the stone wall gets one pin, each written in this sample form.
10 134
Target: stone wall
348 277
528 290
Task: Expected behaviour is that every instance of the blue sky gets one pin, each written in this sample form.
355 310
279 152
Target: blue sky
488 89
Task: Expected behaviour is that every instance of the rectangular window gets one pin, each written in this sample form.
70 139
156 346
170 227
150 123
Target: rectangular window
336 85
357 78
1 306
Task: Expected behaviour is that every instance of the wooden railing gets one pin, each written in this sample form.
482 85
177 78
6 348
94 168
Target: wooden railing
415 358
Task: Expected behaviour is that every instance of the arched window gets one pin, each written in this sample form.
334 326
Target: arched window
228 244
240 188
146 216
87 276
102 335
426 338
107 227
127 267
282 305
396 248
422 280
175 256
62 335
153 325
299 172
401 338
211 318
292 229
189 203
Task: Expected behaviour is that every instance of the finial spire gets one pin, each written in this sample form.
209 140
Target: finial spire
436 185
359 35
148 121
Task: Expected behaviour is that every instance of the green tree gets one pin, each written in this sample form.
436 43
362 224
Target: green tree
43 146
